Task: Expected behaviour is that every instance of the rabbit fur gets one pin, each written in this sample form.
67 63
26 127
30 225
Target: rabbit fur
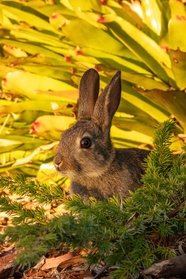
85 153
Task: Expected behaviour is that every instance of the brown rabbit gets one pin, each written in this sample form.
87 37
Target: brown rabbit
85 153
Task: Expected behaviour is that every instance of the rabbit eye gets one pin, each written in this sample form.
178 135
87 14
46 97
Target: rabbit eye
85 143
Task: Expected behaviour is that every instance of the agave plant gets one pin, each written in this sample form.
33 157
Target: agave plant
46 46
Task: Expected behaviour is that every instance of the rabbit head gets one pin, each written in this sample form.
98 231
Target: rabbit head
85 150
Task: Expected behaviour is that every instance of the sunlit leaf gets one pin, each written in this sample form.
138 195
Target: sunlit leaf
34 48
7 145
152 17
152 55
31 83
19 12
51 123
177 25
173 101
83 37
25 142
153 109
178 59
129 136
177 41
42 148
45 106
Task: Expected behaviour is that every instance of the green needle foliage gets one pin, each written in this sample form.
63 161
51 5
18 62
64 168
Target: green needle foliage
132 238
22 186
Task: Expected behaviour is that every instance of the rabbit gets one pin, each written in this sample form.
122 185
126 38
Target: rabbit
85 152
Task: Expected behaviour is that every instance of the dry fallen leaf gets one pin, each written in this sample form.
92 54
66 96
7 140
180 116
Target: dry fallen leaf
55 262
7 263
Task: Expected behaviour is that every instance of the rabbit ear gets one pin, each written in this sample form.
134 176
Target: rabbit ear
88 93
108 102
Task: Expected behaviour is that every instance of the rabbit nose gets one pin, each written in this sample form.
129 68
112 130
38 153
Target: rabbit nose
58 161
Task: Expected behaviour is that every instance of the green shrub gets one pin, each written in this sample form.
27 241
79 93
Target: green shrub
132 238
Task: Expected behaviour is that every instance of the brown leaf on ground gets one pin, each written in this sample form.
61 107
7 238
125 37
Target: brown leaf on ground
64 267
7 264
73 262
56 261
33 273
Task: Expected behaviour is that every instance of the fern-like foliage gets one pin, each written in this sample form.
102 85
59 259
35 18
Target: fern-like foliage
132 238
21 186
43 194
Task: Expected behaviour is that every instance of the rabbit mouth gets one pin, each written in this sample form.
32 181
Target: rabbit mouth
63 171
57 168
